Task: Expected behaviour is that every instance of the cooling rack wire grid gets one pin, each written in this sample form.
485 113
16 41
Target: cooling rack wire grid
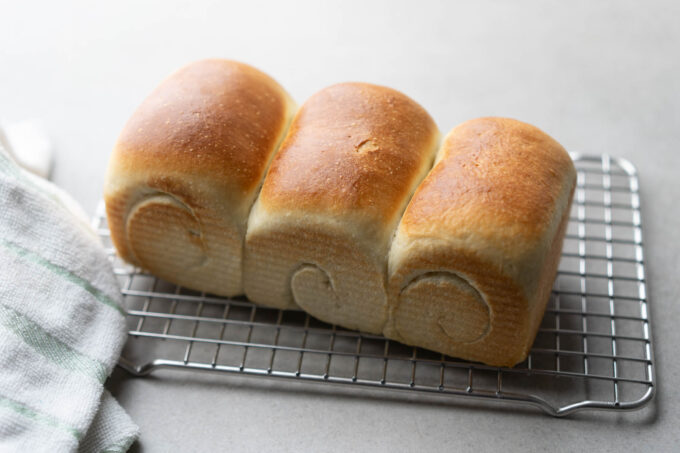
593 350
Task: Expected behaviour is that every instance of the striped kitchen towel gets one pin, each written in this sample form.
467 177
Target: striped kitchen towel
61 324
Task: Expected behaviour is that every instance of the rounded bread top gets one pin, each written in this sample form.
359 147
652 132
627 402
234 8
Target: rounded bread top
213 119
352 149
495 178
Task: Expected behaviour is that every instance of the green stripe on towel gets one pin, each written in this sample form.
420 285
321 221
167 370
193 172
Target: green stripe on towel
50 347
62 272
45 419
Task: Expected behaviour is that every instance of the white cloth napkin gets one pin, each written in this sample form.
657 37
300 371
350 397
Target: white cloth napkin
61 324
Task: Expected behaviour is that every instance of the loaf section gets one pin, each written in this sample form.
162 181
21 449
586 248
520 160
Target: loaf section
476 252
187 168
339 211
319 233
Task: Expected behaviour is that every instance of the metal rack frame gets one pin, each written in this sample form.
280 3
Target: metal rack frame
593 350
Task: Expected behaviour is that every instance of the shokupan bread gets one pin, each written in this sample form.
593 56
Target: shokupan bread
319 233
186 170
475 255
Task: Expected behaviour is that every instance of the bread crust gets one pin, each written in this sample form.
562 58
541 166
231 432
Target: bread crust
218 118
465 269
353 156
194 154
352 148
493 212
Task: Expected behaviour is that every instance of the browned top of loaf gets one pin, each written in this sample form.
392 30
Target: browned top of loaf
351 147
214 118
495 177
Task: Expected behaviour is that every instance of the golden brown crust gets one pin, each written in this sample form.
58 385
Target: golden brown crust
219 118
319 233
491 215
351 147
495 176
186 169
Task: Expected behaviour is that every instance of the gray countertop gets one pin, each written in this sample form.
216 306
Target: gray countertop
599 77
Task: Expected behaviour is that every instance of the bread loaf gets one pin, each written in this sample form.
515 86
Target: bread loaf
475 255
186 169
319 233
464 268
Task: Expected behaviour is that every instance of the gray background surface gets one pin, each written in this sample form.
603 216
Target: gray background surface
598 76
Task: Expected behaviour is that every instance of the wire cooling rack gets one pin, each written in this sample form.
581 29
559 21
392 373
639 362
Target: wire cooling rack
593 350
